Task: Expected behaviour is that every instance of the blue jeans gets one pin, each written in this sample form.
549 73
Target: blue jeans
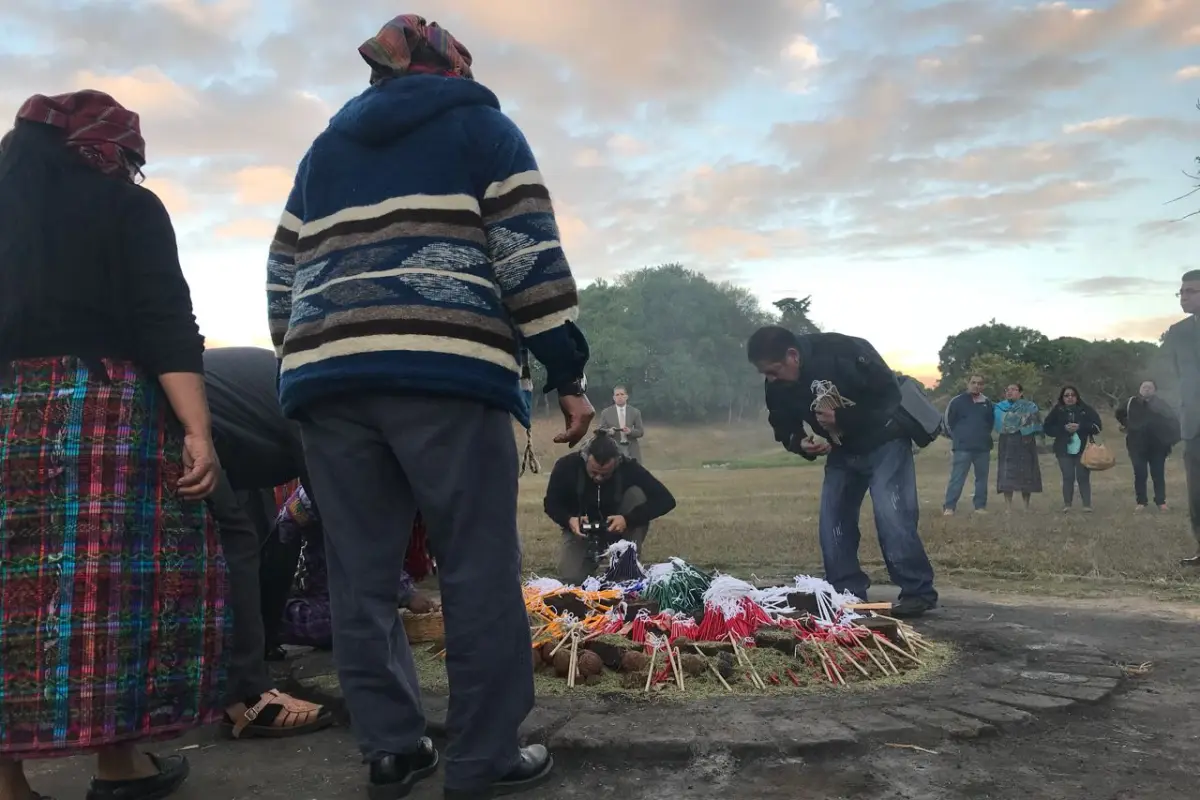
961 462
889 474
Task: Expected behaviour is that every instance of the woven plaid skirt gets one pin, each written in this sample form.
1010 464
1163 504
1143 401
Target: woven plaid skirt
112 613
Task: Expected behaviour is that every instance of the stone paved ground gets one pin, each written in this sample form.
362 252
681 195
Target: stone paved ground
1139 743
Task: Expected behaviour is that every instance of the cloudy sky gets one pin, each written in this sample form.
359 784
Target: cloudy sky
917 167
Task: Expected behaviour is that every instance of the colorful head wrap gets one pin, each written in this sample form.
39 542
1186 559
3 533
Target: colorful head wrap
409 45
106 134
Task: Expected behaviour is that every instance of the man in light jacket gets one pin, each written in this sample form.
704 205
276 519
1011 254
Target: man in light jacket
624 422
970 417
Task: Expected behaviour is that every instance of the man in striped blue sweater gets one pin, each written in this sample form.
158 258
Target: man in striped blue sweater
417 259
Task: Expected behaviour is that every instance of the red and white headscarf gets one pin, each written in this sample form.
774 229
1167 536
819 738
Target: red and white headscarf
104 133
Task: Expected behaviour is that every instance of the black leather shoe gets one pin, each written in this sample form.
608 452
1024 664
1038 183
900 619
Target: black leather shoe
533 767
912 607
394 776
172 772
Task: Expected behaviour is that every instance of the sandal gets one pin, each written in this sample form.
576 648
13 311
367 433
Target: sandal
275 716
172 772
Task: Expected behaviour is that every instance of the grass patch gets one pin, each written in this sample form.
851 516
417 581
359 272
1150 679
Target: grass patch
755 519
773 460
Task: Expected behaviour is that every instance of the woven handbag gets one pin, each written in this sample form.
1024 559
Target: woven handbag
1097 457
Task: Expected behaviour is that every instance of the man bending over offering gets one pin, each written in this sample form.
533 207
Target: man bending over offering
601 487
806 378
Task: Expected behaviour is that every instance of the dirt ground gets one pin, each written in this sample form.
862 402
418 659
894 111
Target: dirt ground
1141 744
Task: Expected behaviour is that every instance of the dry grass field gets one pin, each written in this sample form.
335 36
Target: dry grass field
758 515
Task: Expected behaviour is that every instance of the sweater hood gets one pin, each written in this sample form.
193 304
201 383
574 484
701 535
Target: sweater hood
389 110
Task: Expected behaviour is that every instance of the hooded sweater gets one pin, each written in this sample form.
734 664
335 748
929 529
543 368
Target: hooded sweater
418 253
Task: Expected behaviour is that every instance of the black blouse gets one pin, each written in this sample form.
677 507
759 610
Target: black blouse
89 266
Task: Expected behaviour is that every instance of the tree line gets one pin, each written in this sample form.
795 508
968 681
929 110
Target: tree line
1106 372
677 340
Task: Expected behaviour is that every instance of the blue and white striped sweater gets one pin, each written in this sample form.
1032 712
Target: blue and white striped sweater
419 252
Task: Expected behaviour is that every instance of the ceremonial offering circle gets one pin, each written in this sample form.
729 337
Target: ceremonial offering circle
672 630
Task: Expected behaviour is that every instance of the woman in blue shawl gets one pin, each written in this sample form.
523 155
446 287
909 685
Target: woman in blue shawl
1018 423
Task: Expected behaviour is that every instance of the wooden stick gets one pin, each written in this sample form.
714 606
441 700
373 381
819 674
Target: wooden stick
867 606
650 674
853 661
888 659
712 667
559 646
678 669
900 650
870 655
837 670
830 670
574 661
745 660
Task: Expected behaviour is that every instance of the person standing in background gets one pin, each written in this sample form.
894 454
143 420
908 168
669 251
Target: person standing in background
1072 423
970 417
1180 355
1151 429
416 262
1018 423
624 422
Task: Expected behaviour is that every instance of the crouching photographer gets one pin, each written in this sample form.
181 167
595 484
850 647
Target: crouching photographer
598 497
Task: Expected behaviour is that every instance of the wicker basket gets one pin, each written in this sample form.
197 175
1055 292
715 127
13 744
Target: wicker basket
423 627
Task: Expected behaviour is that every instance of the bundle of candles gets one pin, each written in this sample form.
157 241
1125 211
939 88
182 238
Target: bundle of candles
827 397
677 585
623 564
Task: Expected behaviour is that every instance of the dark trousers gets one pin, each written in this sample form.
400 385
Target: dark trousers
1073 471
241 539
1149 462
962 462
374 459
277 563
889 474
574 565
1191 464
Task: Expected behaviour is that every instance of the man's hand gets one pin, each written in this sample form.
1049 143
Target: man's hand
625 430
827 417
199 467
1072 427
616 524
578 415
812 447
573 526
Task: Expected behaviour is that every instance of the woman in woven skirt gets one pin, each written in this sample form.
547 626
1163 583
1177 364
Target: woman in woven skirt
1018 423
112 621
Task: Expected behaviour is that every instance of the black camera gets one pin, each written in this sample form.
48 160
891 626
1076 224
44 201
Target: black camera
596 537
